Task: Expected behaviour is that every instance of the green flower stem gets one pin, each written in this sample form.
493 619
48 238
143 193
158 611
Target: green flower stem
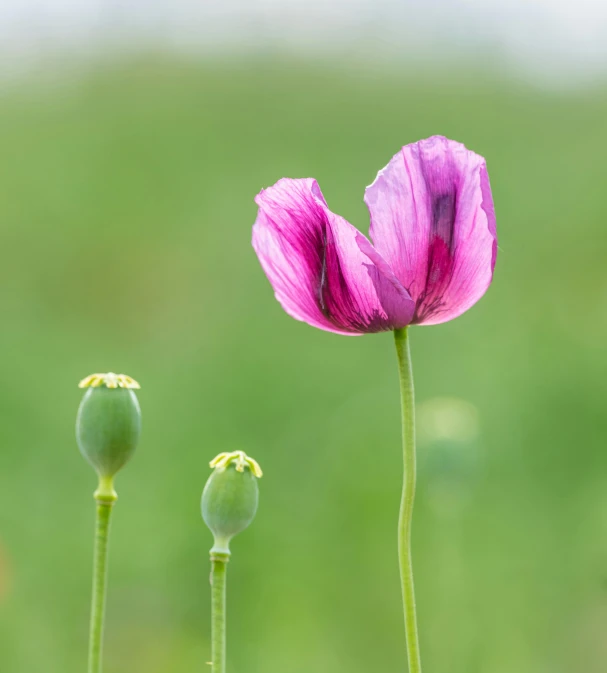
407 394
105 497
219 564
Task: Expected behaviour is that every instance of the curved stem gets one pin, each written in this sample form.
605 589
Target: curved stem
219 564
102 529
407 394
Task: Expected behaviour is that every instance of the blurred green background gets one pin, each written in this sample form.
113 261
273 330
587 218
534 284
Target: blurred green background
126 205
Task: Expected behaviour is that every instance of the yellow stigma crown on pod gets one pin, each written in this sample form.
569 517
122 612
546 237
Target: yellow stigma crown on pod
240 458
109 380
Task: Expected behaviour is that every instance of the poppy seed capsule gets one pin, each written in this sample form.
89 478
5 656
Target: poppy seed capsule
230 497
108 424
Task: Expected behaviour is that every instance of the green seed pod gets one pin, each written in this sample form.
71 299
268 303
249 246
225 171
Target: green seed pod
108 424
230 497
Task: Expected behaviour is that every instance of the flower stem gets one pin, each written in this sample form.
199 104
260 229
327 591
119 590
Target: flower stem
219 564
105 497
407 394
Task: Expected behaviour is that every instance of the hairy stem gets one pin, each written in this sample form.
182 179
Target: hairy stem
219 564
405 371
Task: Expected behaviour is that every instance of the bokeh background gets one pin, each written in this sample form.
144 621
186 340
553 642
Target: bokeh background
133 139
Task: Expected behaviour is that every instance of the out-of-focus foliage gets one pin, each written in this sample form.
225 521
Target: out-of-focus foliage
126 201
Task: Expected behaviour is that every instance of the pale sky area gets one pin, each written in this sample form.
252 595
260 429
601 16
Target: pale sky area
562 42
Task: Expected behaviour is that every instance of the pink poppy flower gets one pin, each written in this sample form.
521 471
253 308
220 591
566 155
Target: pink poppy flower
433 251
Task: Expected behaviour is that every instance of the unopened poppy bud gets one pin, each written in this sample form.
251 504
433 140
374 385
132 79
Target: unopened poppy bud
108 424
230 497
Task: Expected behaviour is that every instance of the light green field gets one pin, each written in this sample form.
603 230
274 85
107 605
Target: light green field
126 201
